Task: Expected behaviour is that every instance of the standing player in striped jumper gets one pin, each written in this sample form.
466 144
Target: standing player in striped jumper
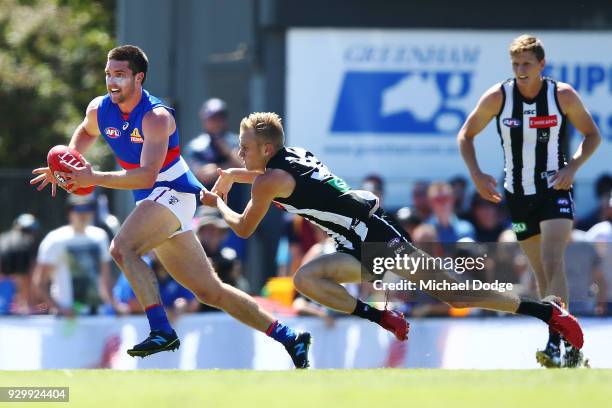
143 134
532 113
295 180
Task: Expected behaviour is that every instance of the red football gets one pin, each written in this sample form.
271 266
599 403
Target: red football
58 157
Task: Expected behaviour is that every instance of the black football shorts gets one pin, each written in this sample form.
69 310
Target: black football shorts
527 211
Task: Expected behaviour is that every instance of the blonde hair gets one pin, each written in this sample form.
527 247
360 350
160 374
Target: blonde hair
266 125
527 42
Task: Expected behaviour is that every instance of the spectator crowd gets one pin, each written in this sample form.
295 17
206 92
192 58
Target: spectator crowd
68 271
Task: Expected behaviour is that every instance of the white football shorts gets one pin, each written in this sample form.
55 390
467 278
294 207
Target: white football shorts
182 205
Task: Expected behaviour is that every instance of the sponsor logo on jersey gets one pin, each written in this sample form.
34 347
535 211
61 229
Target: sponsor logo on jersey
135 136
173 200
539 122
400 249
547 174
563 201
519 227
529 112
544 136
112 132
338 184
565 210
126 125
394 242
512 122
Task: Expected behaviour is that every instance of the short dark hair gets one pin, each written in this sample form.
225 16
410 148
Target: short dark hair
376 180
135 56
458 180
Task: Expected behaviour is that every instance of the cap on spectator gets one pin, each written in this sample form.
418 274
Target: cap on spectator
26 222
79 203
210 216
213 107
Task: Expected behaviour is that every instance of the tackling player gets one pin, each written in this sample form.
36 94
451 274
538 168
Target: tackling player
295 180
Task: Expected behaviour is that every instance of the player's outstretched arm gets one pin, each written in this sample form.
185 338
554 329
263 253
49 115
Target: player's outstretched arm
240 174
226 178
572 106
488 107
266 187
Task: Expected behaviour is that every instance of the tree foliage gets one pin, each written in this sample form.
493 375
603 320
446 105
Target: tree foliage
52 57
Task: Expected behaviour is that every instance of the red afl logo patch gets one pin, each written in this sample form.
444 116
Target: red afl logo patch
112 132
540 122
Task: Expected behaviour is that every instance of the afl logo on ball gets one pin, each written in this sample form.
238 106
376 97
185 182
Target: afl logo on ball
112 132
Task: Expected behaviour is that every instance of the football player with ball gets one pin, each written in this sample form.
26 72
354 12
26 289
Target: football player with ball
143 135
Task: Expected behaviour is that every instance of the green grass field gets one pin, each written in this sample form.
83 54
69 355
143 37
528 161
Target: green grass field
337 388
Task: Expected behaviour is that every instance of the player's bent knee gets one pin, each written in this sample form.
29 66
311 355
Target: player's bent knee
298 281
120 249
301 279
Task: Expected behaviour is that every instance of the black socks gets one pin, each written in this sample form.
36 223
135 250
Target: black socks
367 312
542 311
